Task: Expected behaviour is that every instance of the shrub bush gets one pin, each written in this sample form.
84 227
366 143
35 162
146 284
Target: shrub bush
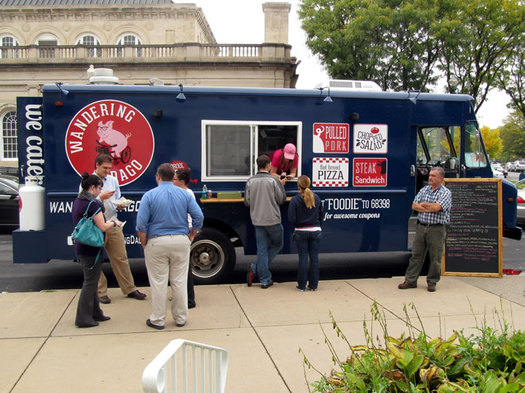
489 361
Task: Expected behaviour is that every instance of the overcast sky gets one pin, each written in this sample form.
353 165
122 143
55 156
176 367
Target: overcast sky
242 22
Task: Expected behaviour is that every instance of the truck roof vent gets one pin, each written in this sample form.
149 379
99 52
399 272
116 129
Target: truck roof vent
101 76
343 84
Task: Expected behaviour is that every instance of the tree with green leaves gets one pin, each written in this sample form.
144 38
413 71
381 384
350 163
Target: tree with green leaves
477 40
386 41
513 137
402 44
512 79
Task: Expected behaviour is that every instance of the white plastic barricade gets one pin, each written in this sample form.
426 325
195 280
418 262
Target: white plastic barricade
187 366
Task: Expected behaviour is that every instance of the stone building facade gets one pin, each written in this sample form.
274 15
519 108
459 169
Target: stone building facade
49 41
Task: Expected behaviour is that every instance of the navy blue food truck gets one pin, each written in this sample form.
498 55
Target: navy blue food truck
367 153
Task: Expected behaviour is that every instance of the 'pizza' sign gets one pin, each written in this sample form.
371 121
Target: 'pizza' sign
330 172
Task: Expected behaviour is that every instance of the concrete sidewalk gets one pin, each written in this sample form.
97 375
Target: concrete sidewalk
42 351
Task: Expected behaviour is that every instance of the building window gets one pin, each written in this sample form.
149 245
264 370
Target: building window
7 41
9 140
90 41
230 148
48 43
129 40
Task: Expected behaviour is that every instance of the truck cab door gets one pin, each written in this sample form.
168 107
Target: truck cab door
475 162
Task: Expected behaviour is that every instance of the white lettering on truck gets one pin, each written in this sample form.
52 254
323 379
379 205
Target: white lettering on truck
34 152
333 207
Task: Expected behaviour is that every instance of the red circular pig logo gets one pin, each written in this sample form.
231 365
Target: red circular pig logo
115 128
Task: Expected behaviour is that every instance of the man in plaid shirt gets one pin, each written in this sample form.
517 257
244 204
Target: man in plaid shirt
433 203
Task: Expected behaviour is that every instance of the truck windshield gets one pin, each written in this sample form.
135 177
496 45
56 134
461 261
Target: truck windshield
435 146
475 156
440 146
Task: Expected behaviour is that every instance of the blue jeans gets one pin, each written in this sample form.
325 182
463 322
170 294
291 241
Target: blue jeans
269 243
307 243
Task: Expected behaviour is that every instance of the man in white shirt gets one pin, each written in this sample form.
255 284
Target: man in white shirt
115 245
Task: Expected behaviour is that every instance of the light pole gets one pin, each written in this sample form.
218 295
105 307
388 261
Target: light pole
453 83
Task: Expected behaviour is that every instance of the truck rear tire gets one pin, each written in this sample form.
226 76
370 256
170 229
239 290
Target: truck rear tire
212 257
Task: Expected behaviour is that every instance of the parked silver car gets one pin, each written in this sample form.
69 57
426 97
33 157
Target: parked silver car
8 203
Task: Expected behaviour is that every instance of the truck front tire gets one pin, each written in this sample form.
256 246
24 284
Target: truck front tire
212 257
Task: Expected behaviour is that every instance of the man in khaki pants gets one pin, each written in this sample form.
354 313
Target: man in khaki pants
162 227
115 244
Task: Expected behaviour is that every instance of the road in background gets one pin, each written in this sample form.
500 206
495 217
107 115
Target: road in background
59 274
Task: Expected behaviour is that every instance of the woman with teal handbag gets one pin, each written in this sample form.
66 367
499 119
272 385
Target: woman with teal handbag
89 313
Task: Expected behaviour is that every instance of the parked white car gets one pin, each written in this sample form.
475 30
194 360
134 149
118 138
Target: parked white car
520 166
497 172
521 202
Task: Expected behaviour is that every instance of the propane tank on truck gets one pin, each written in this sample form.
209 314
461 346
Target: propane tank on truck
31 205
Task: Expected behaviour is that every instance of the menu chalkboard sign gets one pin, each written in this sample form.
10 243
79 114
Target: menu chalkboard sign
474 236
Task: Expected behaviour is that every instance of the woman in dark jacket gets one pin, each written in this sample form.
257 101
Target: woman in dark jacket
305 213
88 310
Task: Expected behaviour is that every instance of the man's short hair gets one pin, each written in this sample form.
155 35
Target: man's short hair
439 170
102 158
263 161
166 172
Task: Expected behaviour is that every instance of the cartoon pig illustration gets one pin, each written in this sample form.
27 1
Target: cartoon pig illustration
114 138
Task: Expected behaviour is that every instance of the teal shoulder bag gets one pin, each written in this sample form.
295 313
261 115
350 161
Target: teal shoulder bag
87 232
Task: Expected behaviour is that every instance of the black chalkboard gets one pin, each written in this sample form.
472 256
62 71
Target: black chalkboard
474 236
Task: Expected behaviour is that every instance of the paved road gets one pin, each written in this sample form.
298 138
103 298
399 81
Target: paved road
66 274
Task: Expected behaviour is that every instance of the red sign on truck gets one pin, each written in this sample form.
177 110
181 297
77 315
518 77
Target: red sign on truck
370 172
331 137
114 128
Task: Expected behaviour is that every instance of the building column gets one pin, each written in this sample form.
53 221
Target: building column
276 22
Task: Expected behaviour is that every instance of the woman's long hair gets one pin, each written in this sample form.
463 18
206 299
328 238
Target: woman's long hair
304 189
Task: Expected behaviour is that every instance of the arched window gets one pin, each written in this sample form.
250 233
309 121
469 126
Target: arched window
8 53
47 43
129 39
8 146
90 40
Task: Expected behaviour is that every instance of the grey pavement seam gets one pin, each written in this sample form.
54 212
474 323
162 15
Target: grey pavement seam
43 344
260 339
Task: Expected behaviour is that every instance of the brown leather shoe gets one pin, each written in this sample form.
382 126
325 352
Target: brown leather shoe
250 277
152 325
406 285
431 287
104 299
136 294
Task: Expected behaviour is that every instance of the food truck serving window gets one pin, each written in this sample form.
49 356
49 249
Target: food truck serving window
230 148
